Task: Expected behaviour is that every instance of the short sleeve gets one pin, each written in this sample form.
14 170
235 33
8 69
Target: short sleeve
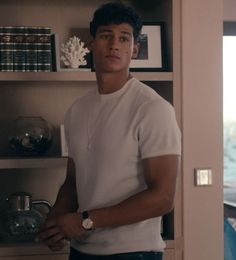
158 132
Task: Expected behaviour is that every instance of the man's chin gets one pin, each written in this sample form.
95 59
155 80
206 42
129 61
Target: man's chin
110 70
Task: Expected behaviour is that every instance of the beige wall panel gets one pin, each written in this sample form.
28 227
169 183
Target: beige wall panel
202 127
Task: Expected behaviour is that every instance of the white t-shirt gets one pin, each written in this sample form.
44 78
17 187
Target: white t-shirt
108 136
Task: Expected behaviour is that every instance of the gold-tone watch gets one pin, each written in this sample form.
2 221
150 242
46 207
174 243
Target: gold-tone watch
87 222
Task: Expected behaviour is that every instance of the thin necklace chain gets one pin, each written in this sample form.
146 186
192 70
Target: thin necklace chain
90 135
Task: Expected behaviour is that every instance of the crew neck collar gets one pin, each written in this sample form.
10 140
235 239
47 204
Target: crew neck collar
117 92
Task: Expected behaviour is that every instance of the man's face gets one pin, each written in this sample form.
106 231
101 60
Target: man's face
113 47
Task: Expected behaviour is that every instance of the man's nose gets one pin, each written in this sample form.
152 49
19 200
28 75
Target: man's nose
114 43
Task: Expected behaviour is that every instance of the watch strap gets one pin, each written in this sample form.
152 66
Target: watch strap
85 214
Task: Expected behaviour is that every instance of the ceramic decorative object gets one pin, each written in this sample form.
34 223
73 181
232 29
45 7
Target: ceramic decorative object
30 136
74 53
20 222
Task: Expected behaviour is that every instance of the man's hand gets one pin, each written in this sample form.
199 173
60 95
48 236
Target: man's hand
56 232
70 225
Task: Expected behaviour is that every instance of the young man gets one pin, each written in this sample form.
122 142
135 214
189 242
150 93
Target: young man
124 149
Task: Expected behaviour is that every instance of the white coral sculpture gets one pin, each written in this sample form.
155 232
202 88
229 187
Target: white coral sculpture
73 53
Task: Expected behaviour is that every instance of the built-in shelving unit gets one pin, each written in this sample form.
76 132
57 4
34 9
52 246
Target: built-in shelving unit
49 94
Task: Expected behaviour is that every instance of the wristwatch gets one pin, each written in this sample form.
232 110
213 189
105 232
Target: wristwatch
87 222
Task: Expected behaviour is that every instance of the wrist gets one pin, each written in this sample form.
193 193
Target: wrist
87 222
54 212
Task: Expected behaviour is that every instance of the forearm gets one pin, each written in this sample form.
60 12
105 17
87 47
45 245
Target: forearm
144 205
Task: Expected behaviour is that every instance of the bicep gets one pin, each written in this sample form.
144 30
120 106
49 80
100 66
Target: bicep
161 172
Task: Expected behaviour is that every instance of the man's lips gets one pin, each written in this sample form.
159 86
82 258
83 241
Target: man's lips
113 57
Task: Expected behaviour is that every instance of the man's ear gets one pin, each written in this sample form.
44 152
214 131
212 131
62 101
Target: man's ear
135 50
90 44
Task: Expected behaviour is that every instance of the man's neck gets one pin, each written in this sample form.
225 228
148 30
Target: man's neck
111 82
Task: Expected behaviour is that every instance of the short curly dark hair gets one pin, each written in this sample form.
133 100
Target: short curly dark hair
116 13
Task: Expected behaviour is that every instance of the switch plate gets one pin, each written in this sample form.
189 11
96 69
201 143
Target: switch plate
203 177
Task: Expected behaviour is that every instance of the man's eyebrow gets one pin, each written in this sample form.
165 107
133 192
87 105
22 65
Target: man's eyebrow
128 33
110 31
104 30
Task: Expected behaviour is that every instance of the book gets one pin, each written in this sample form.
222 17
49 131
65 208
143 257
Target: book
19 47
6 48
55 53
44 61
31 49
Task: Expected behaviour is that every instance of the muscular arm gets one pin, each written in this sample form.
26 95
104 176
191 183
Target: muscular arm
66 202
67 198
158 199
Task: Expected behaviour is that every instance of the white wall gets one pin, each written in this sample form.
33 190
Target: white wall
202 127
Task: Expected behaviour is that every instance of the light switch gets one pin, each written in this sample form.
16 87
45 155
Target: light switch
202 177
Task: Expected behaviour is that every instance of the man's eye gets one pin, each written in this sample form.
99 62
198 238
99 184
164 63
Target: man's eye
124 39
105 36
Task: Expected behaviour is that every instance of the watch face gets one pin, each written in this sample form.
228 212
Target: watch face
87 224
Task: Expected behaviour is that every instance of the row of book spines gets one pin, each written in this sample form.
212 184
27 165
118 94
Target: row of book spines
24 35
30 68
15 62
25 29
25 48
29 34
24 39
25 60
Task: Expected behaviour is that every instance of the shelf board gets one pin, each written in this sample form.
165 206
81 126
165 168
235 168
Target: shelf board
76 76
32 163
153 76
13 249
30 248
48 76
